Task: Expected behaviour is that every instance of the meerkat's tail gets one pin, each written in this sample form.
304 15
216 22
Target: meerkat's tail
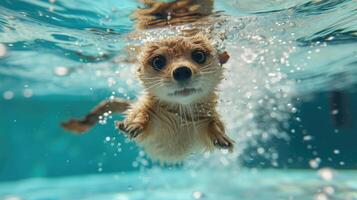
84 124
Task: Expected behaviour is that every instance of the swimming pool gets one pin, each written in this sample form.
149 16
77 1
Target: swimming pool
288 99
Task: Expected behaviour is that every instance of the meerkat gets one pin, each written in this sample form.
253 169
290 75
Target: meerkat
176 114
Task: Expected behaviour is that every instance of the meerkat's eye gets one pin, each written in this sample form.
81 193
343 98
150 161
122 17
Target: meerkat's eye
198 56
158 62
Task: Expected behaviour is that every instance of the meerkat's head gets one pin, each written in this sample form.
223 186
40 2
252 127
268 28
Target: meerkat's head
181 70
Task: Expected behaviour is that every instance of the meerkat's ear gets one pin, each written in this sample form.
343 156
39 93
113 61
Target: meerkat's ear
223 57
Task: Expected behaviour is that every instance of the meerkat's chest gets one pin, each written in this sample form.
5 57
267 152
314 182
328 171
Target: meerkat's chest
170 137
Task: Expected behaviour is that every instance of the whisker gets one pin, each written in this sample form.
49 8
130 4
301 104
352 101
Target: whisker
149 78
193 119
158 84
180 113
207 65
155 86
208 71
152 83
185 110
153 80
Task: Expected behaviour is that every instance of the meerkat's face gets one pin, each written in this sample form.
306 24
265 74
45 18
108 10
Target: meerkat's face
181 70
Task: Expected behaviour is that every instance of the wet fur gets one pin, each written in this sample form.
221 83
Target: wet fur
169 131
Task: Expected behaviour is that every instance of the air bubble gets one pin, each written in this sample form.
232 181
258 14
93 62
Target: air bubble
329 190
293 110
261 150
197 195
334 112
330 38
307 138
321 196
3 50
224 151
27 93
326 174
314 163
61 71
8 95
135 164
129 82
141 153
336 151
121 90
248 56
169 16
111 82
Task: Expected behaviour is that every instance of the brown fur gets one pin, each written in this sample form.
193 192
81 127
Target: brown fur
170 130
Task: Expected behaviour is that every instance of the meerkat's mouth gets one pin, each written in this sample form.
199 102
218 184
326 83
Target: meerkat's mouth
185 92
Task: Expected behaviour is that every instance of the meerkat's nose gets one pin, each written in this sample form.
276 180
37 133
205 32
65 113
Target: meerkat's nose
182 73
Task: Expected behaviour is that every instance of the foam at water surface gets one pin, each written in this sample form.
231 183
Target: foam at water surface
69 35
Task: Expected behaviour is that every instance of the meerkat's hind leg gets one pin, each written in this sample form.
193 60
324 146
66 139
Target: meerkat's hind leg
84 124
218 136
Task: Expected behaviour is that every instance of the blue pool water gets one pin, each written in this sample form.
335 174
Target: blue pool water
181 185
288 99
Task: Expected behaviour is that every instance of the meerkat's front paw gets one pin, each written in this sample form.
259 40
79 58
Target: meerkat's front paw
131 129
223 142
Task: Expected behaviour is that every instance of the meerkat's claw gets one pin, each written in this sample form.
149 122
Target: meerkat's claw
120 125
130 129
224 142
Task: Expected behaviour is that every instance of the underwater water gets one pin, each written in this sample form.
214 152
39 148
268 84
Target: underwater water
288 99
